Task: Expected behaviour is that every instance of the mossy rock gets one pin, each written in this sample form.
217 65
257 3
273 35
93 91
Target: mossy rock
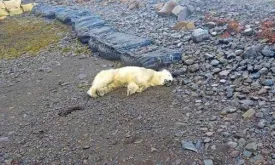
28 35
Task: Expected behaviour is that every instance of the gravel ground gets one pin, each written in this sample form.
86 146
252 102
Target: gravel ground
219 111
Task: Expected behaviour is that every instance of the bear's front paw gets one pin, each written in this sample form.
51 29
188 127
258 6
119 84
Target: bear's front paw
100 92
130 92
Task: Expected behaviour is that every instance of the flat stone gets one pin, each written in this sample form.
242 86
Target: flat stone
199 35
235 154
215 62
268 82
210 25
259 114
266 51
188 145
209 133
193 68
27 7
238 52
4 139
241 142
251 147
261 124
247 154
208 162
82 76
231 109
158 6
248 31
252 52
224 73
248 114
177 9
258 159
167 8
207 140
183 14
232 144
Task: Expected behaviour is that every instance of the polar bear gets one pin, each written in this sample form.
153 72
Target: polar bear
136 79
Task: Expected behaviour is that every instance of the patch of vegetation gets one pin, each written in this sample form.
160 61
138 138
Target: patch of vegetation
28 35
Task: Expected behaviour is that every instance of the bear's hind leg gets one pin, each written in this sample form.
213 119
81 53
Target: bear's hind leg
132 88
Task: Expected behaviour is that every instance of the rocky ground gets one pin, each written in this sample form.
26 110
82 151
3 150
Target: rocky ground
219 111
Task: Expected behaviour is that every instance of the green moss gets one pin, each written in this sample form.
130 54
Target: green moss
28 35
66 50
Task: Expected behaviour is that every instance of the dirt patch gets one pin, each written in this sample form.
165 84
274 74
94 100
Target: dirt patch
31 36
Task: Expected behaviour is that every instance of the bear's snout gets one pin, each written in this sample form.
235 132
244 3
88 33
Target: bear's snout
168 83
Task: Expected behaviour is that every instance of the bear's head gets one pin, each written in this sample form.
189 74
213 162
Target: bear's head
166 77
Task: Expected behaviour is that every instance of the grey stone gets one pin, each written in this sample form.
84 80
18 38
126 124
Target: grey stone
266 51
232 144
4 139
177 9
188 145
207 140
247 154
241 162
224 73
262 123
231 109
183 14
180 133
210 25
252 52
193 68
259 114
268 82
82 76
256 75
215 62
208 162
241 142
258 159
199 35
189 61
238 52
251 147
248 31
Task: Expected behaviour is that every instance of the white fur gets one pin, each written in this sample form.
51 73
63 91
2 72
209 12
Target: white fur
136 79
